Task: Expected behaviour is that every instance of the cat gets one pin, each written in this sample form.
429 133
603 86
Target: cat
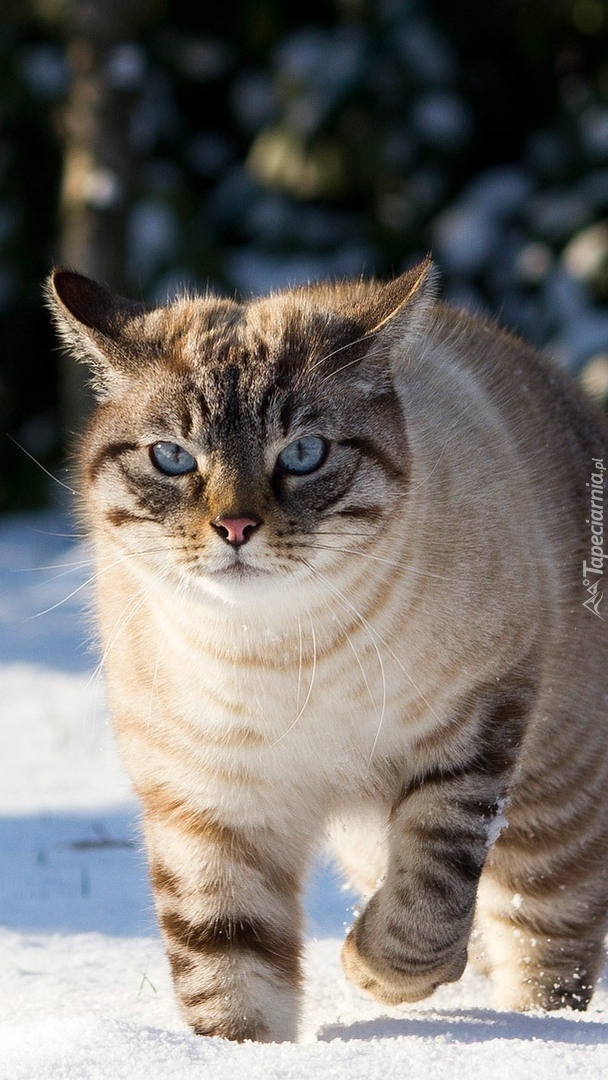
343 540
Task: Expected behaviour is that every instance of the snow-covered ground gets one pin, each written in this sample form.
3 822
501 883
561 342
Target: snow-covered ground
84 987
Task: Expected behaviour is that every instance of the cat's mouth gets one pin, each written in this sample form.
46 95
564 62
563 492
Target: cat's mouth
235 569
239 574
235 582
238 571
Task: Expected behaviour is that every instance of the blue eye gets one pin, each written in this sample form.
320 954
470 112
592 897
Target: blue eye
304 455
171 459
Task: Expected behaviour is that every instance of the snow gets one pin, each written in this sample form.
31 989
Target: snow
85 992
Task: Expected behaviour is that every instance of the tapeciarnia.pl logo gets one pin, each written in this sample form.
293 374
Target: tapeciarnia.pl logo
593 571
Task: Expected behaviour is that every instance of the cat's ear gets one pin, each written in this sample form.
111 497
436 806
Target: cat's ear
94 325
384 315
405 298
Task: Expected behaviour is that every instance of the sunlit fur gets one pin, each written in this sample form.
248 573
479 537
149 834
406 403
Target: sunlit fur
398 658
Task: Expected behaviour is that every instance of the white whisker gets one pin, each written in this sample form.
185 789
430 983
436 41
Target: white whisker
50 475
380 712
311 684
372 634
64 599
341 348
65 569
57 535
395 563
300 658
412 490
153 687
346 603
91 579
117 631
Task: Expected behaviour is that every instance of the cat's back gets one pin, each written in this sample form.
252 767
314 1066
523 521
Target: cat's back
531 449
542 406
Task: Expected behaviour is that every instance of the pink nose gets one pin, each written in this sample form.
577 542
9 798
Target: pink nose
237 530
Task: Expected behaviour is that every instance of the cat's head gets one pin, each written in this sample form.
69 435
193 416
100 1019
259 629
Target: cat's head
243 445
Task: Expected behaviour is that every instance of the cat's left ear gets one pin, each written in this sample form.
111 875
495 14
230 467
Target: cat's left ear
388 315
94 325
405 298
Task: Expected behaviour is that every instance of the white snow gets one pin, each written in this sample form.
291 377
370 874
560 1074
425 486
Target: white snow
85 992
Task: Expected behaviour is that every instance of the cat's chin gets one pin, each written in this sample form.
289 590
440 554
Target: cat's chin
238 584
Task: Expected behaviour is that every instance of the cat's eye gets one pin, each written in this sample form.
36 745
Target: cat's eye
171 459
303 455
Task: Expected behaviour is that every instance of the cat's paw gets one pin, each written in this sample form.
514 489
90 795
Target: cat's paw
392 978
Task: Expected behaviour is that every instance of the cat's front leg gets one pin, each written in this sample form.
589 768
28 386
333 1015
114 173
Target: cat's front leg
413 935
230 916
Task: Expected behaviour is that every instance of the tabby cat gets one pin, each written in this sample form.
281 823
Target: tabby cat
344 538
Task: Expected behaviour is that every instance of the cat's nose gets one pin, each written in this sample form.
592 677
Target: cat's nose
236 530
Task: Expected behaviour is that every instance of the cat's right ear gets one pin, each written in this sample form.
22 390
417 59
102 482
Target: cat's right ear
94 326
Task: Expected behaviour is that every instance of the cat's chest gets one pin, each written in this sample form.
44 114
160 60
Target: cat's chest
290 694
264 713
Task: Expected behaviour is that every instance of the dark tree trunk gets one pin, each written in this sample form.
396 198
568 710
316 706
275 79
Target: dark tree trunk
100 160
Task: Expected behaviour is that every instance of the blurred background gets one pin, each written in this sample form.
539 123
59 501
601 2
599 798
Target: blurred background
251 144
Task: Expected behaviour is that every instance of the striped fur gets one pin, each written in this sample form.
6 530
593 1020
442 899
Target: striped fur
396 657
